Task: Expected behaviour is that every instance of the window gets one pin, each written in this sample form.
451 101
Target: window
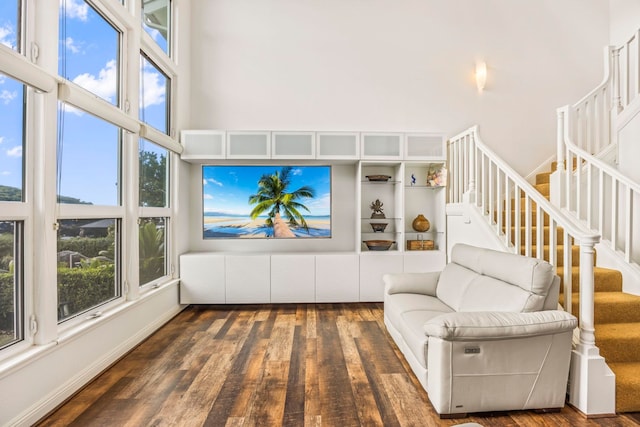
89 159
9 23
154 94
10 283
153 249
153 174
156 21
88 259
89 50
11 139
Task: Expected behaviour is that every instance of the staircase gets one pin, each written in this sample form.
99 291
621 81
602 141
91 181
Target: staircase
617 320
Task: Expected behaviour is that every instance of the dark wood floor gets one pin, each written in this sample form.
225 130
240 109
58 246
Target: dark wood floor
292 365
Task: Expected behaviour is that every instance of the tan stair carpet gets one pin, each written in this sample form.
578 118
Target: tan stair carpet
617 314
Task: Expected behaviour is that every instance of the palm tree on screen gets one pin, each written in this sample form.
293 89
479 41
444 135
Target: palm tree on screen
273 196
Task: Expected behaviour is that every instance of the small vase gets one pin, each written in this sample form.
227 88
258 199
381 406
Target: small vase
420 223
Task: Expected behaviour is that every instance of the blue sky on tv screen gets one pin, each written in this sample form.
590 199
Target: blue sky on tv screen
88 50
226 189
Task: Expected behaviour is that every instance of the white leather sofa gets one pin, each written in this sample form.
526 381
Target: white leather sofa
485 333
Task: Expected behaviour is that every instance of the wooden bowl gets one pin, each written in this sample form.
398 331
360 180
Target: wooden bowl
378 177
378 245
379 226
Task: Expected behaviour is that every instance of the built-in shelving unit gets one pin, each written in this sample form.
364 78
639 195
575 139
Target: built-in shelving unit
415 166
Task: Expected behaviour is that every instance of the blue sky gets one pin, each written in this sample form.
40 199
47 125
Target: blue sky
226 189
87 56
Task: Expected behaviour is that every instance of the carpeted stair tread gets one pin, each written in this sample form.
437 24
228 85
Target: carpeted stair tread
627 386
611 307
619 342
543 178
605 279
534 217
575 253
534 236
544 189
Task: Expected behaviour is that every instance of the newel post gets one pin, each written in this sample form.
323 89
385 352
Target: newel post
592 384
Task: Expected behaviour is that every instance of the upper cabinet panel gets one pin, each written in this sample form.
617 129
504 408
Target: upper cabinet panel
293 145
424 146
203 144
382 146
338 145
248 145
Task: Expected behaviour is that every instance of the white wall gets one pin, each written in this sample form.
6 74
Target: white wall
397 65
624 20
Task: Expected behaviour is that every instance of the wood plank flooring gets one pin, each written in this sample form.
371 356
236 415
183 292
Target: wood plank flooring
291 365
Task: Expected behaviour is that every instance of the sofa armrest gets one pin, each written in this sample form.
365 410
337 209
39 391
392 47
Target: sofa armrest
470 326
413 283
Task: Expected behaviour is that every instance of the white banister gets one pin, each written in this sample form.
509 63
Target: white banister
499 188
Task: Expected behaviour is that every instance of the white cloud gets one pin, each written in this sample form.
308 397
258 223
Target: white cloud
1 139
207 196
153 86
296 172
5 173
104 85
15 151
6 97
320 205
3 78
71 45
75 9
7 36
213 181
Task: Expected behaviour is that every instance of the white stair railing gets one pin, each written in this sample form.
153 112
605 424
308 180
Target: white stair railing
626 72
535 227
597 194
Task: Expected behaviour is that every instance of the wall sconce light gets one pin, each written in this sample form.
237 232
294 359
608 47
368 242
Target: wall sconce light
481 75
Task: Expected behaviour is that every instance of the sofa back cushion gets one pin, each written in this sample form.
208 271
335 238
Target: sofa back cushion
479 279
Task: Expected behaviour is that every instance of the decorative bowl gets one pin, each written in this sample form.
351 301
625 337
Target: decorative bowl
378 177
379 226
378 245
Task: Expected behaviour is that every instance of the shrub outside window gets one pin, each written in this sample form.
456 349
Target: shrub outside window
10 283
88 259
153 249
153 175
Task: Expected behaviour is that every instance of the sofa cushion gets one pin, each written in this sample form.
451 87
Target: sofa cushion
413 323
515 283
397 304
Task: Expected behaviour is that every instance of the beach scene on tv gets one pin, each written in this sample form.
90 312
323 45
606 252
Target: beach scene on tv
266 201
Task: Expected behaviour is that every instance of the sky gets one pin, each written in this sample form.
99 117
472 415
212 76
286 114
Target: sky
87 56
226 189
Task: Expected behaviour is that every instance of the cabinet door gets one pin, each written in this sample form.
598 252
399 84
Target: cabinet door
202 144
384 146
293 145
248 279
337 278
338 145
424 146
372 268
293 278
248 145
424 261
202 279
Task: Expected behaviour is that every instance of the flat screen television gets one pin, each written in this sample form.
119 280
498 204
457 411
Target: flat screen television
266 202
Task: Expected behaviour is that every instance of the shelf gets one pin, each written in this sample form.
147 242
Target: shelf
426 187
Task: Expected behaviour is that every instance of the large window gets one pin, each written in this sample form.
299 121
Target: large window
154 94
9 23
156 21
89 49
89 159
88 255
10 283
11 139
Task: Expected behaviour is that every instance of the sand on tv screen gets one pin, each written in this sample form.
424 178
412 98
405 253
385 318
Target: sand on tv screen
266 202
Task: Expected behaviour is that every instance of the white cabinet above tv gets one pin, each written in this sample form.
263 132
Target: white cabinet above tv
201 146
